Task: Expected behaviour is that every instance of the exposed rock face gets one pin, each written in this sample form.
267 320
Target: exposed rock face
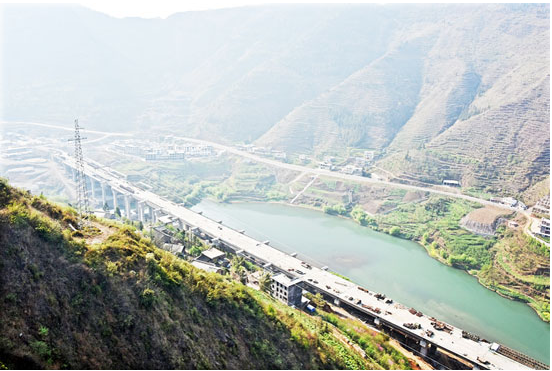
485 229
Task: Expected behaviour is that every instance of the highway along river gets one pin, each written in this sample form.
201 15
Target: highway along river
398 268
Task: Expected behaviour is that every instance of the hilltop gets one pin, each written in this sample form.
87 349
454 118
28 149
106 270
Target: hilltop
105 297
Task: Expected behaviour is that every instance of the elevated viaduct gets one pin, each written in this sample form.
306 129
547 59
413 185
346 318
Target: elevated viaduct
144 205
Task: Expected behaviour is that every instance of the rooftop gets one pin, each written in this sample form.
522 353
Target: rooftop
285 280
205 266
213 253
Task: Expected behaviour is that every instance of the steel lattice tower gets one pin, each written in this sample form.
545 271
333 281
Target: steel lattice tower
82 194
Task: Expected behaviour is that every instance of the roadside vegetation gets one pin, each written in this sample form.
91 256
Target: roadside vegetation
123 303
517 270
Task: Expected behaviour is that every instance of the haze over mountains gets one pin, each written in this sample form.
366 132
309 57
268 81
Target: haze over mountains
438 91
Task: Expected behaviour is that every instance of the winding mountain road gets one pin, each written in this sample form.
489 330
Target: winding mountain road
292 167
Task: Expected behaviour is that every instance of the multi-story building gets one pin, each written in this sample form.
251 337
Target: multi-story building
544 227
286 289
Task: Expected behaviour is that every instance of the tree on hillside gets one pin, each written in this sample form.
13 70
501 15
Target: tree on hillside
195 251
265 283
237 262
105 206
118 211
242 274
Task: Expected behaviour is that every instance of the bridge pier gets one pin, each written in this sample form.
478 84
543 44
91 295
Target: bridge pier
156 214
140 210
114 192
92 190
74 174
103 185
423 348
153 214
127 205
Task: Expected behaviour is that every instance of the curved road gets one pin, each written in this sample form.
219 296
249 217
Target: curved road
333 174
293 167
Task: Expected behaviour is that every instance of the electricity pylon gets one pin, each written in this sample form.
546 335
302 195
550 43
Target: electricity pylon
83 209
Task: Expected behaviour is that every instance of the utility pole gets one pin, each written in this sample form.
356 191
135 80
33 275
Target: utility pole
82 194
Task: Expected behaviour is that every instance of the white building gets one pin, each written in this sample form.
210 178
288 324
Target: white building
369 155
544 227
451 183
352 170
209 267
286 289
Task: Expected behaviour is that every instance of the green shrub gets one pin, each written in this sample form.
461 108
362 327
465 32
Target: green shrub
395 231
43 331
41 348
147 297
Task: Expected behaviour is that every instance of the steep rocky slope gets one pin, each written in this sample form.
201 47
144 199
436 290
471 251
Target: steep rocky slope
122 303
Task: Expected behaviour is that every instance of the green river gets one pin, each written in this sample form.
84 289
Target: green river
399 268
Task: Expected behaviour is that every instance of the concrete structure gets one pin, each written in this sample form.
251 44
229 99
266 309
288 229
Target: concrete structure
362 302
451 183
544 227
286 289
212 255
542 207
207 266
509 201
369 155
174 248
352 170
325 166
161 236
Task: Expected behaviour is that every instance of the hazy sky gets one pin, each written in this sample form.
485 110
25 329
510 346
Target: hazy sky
164 8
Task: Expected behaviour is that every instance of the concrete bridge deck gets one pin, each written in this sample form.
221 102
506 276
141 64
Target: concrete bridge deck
393 315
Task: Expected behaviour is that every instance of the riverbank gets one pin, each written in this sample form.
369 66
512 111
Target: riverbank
479 262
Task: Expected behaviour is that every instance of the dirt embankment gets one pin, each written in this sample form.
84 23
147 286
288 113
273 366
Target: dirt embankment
483 221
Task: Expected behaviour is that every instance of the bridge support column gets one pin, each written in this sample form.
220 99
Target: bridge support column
140 209
156 215
180 224
423 348
92 189
127 205
102 184
114 198
152 215
74 174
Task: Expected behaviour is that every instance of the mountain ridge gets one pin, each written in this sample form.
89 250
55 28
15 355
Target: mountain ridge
305 79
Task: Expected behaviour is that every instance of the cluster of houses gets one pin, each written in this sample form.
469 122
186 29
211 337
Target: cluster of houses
542 210
542 207
352 166
168 151
263 151
214 260
211 260
509 201
544 227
